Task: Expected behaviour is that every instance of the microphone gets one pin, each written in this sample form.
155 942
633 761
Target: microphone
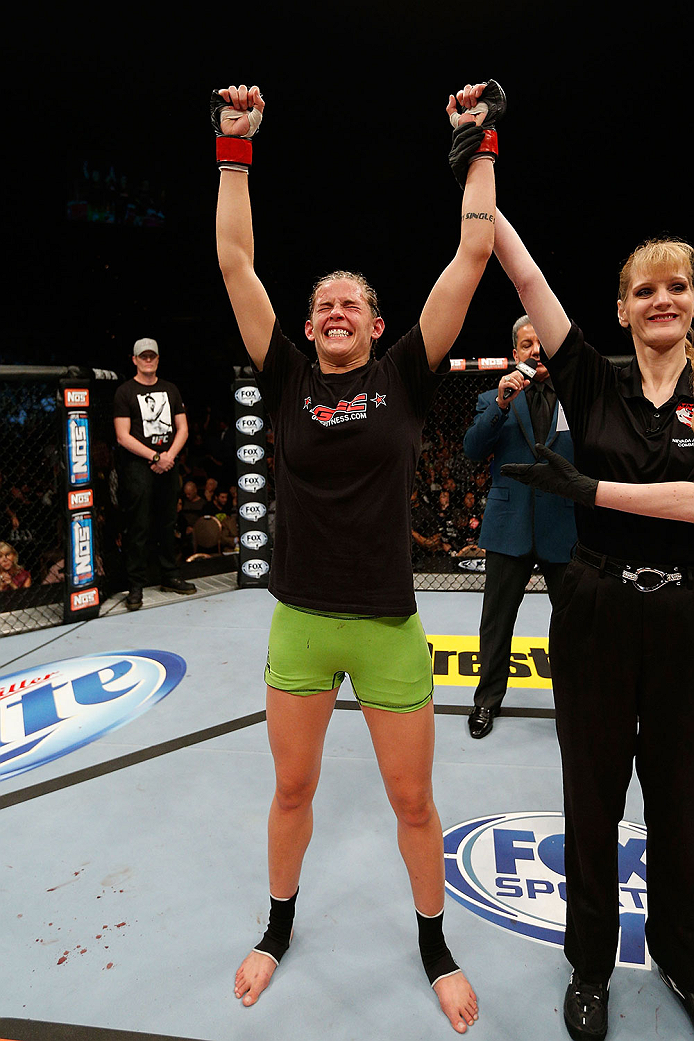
528 369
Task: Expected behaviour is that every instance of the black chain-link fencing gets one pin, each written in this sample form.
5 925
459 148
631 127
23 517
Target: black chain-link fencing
39 513
31 515
450 490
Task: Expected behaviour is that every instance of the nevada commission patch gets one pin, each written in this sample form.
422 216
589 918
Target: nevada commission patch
49 710
509 869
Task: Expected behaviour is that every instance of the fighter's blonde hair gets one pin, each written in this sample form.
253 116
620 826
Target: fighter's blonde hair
348 276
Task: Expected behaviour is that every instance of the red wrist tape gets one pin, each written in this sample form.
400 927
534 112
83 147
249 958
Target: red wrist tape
234 150
490 143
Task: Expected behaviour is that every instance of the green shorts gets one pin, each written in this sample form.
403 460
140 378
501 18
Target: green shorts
387 659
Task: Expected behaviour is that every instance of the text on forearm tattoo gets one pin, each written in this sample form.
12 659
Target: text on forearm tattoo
471 215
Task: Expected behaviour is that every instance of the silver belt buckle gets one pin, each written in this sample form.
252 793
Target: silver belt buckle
663 576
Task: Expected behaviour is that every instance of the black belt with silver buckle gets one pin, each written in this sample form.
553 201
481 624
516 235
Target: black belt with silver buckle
646 578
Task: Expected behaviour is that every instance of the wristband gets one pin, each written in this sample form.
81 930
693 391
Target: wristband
489 148
234 150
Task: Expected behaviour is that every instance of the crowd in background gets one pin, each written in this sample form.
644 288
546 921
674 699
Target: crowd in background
447 504
450 493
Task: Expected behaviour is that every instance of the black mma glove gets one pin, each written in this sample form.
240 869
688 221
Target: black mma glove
233 153
467 138
494 99
484 141
556 475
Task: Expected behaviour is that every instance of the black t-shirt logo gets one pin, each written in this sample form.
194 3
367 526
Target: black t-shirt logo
342 412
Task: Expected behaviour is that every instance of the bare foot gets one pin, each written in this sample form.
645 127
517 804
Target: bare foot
253 976
458 1001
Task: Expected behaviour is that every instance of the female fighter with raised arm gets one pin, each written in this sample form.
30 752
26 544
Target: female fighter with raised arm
347 437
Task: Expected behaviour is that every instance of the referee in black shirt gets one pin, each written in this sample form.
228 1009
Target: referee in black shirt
620 639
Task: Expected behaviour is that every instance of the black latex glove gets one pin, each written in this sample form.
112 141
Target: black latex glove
556 475
467 137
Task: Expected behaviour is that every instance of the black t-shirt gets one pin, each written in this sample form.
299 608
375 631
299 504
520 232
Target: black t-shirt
619 435
346 448
151 410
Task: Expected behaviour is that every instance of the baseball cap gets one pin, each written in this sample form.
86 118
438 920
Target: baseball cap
146 344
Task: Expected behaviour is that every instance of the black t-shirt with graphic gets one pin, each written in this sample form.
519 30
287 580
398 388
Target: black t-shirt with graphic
346 448
151 411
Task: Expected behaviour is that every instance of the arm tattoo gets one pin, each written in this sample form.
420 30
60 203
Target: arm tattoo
471 215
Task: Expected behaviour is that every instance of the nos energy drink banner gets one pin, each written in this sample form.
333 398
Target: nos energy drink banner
251 469
82 595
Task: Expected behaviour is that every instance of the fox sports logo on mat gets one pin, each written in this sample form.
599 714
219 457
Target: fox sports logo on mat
49 710
509 870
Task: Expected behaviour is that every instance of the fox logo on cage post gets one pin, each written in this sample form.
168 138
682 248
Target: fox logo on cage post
251 468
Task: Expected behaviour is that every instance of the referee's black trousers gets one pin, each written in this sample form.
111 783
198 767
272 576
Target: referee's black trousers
622 674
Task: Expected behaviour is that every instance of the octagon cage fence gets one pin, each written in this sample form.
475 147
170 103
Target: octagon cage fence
60 515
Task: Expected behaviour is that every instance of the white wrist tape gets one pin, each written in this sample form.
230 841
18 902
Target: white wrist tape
232 114
481 106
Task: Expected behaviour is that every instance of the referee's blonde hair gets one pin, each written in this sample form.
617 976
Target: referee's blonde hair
662 255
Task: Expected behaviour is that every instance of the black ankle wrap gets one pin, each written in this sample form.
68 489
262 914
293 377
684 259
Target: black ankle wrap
278 934
436 958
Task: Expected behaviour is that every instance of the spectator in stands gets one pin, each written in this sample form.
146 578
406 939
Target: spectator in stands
12 576
518 531
193 506
209 491
226 515
425 529
54 568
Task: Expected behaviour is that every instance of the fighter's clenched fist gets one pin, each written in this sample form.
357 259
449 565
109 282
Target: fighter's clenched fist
236 111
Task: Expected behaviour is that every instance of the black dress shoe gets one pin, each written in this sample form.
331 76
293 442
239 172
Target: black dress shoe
178 585
585 1009
481 720
685 996
133 600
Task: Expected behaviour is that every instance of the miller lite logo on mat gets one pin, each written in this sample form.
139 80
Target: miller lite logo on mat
508 868
49 710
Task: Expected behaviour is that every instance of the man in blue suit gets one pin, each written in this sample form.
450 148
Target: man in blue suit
521 527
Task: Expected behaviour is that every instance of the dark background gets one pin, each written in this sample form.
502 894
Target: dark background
350 167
